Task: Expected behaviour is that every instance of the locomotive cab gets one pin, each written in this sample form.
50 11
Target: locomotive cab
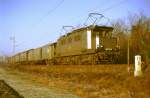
100 38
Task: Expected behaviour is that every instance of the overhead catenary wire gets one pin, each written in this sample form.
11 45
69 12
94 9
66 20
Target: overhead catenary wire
48 13
61 2
115 5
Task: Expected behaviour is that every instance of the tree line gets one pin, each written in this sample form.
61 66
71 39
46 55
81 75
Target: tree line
136 34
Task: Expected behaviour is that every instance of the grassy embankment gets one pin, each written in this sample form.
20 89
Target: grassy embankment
92 81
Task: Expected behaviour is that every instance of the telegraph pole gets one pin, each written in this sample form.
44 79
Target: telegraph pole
14 43
128 52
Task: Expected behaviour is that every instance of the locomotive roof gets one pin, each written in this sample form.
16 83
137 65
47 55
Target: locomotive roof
95 27
91 27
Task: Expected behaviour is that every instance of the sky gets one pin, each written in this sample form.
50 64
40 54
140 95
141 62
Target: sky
35 23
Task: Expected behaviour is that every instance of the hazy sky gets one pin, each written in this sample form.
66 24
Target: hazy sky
38 22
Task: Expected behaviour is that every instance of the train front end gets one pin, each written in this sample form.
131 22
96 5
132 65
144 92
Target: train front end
100 39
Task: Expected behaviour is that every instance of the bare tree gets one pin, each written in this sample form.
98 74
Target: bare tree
140 36
119 32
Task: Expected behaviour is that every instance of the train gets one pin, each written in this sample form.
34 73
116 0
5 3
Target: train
91 44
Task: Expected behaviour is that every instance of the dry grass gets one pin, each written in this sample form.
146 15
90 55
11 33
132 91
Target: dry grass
92 81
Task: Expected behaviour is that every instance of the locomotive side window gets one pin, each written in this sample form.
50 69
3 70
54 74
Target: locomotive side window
104 33
63 41
107 34
77 37
110 34
69 40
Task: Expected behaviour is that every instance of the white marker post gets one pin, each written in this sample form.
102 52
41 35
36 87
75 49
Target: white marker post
137 71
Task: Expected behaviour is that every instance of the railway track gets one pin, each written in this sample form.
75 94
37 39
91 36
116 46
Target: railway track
8 92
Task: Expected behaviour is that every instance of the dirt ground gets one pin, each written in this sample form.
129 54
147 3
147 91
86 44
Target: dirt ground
89 81
28 87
